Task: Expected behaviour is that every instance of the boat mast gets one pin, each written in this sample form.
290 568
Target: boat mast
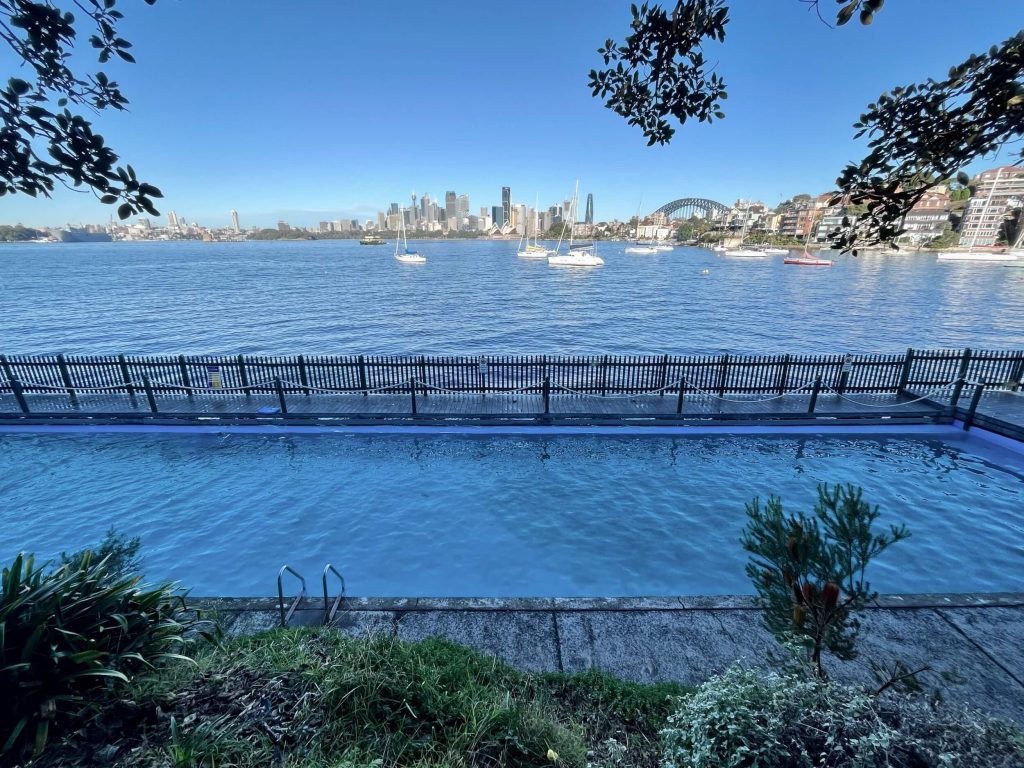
572 213
984 211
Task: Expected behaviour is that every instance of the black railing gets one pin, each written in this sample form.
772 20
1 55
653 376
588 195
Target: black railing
917 370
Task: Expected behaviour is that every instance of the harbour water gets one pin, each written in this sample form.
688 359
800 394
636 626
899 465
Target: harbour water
477 297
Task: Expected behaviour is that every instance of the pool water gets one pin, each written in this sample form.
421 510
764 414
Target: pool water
529 515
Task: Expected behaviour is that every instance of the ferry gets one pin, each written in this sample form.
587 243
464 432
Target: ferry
372 240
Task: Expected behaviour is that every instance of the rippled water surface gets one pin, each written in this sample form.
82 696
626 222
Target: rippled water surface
476 297
502 515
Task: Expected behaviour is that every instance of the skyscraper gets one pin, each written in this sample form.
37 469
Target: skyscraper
496 215
449 208
172 221
506 205
234 221
589 217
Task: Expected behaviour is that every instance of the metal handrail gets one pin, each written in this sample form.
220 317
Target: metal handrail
329 613
285 617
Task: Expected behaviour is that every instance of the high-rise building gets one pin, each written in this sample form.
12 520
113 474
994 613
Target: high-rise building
496 215
282 226
461 211
449 207
234 221
589 216
172 221
996 191
506 205
425 207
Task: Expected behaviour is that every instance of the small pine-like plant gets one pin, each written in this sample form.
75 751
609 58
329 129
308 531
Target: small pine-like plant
810 572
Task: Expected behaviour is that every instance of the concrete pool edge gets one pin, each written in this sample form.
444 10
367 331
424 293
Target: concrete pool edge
969 642
661 603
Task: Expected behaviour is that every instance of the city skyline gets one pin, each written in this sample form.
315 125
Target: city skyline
788 125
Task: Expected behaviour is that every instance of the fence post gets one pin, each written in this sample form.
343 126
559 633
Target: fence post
423 376
955 397
905 373
19 395
844 374
783 375
814 395
412 391
122 363
362 375
604 375
679 398
149 393
243 375
969 419
184 375
66 378
280 394
664 374
965 363
723 372
303 379
547 395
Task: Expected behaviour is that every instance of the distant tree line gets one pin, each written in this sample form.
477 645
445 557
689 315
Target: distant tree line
18 233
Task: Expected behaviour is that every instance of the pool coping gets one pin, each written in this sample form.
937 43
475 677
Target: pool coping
654 603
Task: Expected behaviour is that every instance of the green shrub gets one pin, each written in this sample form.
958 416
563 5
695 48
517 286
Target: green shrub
69 637
749 719
810 572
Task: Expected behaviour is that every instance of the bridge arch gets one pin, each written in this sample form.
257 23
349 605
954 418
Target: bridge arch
687 207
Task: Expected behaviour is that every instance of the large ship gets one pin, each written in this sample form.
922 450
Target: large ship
81 235
372 240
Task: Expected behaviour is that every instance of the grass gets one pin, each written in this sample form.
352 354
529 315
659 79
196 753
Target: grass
314 698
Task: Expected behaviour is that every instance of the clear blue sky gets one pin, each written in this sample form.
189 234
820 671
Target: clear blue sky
315 110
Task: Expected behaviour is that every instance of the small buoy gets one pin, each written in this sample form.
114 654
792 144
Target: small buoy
706 272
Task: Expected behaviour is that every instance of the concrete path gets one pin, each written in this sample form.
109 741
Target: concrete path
971 642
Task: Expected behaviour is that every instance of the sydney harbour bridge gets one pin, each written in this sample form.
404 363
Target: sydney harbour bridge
688 207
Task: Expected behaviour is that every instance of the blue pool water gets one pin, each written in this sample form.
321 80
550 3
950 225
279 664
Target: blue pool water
454 515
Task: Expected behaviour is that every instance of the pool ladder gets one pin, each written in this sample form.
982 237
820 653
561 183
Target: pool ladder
330 609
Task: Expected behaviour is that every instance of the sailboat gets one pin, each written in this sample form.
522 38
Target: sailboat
741 251
578 255
969 254
403 254
771 251
639 247
532 250
806 259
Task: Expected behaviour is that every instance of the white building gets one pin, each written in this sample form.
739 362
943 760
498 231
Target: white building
996 192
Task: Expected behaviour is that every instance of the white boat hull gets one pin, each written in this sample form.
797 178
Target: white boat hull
664 248
642 249
582 259
971 256
776 251
746 253
533 254
410 258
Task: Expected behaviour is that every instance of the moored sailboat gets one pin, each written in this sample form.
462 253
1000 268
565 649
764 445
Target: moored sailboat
403 254
581 255
534 250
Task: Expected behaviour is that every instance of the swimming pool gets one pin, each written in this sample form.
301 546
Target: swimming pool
511 514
